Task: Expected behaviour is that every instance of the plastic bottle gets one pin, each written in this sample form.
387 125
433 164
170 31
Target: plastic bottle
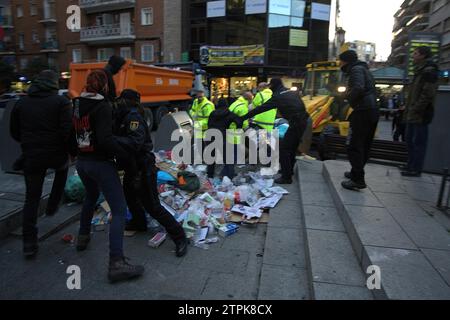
237 197
227 203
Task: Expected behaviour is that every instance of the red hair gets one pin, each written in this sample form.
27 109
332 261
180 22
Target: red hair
97 82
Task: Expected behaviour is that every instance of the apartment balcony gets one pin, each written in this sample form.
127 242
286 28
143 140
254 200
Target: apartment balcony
6 22
94 6
48 15
50 46
114 33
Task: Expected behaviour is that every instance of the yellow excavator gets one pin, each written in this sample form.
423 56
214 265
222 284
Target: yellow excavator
324 98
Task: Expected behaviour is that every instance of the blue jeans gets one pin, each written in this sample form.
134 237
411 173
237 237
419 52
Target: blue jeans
102 176
417 140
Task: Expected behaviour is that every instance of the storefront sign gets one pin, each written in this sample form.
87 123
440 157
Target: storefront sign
216 9
232 56
298 38
280 7
321 11
417 39
255 6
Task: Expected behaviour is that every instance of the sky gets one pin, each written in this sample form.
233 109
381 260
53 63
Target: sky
371 21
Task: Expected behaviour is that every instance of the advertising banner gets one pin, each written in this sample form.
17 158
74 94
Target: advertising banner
232 56
255 6
216 9
418 39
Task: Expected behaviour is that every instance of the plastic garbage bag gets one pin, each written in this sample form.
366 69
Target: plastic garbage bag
165 178
74 189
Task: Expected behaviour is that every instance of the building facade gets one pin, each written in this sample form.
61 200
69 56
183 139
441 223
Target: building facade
148 31
366 50
7 39
440 23
241 42
413 16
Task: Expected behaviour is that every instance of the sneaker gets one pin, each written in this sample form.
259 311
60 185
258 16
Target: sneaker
83 242
181 247
121 270
411 174
353 186
348 175
283 181
30 249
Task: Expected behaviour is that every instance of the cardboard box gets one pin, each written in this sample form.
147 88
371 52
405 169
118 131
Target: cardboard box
228 229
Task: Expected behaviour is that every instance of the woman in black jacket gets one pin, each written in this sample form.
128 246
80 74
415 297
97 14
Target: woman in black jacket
97 149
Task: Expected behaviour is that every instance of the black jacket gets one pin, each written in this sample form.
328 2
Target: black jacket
132 134
95 113
289 104
221 119
42 122
361 92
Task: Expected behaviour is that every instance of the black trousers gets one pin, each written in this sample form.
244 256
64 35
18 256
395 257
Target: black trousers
34 181
141 193
289 146
363 126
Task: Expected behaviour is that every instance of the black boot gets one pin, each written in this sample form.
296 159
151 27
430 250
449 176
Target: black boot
348 175
121 270
283 181
354 186
181 247
83 242
30 249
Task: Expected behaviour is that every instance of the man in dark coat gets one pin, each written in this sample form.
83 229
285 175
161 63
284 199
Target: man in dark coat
291 108
420 110
42 122
361 94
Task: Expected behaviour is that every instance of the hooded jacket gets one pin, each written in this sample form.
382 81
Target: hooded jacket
420 103
361 92
93 129
41 122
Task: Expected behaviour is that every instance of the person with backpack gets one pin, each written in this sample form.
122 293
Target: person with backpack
140 180
97 150
41 123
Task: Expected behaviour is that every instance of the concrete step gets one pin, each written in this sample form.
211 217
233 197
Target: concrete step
48 226
283 274
389 228
334 270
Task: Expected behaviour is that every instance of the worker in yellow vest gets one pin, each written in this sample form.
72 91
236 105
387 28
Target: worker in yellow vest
264 120
239 108
200 112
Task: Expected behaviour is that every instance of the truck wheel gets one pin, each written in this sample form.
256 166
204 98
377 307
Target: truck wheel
149 119
160 113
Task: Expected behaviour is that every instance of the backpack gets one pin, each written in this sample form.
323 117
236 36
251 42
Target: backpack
84 132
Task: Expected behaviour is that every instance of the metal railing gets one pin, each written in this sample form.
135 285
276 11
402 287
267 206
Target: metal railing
49 45
92 3
106 31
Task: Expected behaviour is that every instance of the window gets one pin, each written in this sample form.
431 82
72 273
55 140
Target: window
23 63
77 56
104 54
35 36
21 41
147 53
33 9
125 52
147 16
19 11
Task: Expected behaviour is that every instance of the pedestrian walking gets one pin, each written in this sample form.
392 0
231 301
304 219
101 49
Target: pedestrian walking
420 109
41 123
361 94
97 148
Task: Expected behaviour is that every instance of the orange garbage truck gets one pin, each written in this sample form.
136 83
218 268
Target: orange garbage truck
162 90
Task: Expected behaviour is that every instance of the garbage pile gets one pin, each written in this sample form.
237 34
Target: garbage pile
212 208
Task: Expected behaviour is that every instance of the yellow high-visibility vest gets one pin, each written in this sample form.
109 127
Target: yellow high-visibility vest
240 108
267 119
200 113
